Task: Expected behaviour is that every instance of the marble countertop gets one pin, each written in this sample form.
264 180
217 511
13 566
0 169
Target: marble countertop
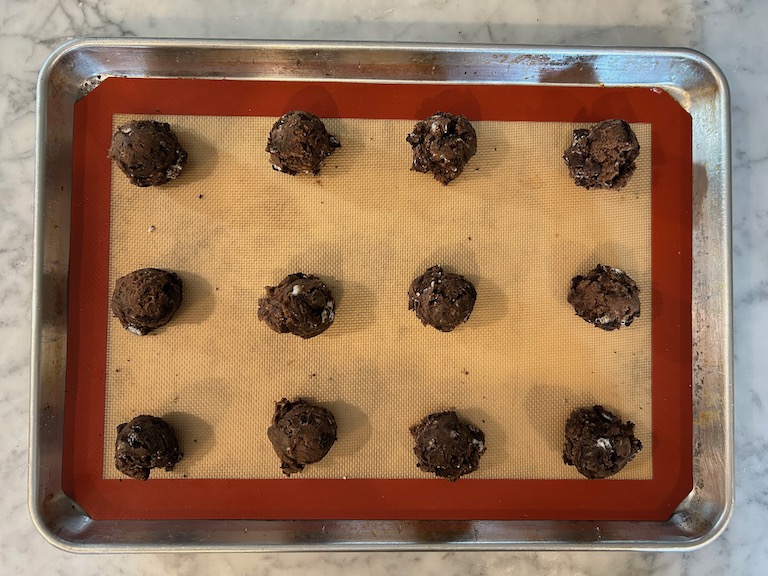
729 31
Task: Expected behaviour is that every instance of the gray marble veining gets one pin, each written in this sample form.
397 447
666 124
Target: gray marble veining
730 31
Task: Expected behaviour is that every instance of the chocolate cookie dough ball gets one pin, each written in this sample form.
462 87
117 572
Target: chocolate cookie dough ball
299 142
604 156
148 152
442 144
447 446
301 434
606 297
441 299
144 443
146 299
301 304
598 443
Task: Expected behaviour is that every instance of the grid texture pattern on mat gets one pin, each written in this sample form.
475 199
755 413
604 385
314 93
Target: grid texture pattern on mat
514 224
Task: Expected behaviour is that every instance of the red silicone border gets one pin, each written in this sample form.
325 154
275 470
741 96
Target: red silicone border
297 498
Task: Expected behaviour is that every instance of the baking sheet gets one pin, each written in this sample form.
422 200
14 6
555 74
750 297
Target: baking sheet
514 223
74 69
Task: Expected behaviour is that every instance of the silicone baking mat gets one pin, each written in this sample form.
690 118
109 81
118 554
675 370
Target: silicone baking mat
513 223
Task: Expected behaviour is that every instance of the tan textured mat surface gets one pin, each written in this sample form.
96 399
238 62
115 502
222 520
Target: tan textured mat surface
513 223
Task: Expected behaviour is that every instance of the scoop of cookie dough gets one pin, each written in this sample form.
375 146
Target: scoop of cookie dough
301 304
442 144
299 142
606 297
301 434
144 443
598 443
148 152
441 299
146 299
603 156
446 446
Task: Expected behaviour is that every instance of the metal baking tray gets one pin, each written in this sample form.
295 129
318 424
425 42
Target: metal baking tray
691 78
